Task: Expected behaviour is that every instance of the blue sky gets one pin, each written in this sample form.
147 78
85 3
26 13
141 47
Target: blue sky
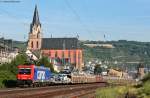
90 19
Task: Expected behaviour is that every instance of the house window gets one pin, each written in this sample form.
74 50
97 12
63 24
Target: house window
63 54
50 53
69 56
79 57
63 57
56 54
74 56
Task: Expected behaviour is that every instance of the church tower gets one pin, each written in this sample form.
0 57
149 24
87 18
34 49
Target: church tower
35 36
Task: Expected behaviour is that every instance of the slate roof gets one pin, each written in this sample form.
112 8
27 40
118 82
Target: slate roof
60 43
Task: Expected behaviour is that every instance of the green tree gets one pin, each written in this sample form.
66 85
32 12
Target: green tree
12 66
45 61
146 78
21 59
97 69
8 71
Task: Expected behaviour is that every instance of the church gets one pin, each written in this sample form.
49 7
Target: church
63 50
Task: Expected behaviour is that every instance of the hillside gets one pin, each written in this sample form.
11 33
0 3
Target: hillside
123 52
9 43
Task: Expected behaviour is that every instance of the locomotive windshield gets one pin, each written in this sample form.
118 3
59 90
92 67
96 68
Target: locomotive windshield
24 71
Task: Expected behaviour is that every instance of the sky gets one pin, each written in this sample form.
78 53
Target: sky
103 20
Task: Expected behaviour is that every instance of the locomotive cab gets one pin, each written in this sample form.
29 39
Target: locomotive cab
33 75
24 75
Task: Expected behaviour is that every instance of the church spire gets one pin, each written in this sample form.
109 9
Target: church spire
36 20
35 35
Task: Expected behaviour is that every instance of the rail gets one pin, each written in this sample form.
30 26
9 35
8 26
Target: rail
62 91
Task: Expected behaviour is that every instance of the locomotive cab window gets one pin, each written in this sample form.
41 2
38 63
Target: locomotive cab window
24 71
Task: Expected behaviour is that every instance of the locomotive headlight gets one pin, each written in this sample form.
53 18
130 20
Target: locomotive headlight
18 78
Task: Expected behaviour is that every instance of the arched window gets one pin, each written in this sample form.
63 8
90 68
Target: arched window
32 44
79 57
56 54
50 53
63 54
74 56
63 57
37 44
69 56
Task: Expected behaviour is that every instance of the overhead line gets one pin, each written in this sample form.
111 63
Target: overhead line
12 16
78 17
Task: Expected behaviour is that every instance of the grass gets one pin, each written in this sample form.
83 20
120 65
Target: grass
142 91
114 92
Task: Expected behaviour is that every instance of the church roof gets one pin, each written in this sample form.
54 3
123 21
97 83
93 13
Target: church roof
60 43
36 17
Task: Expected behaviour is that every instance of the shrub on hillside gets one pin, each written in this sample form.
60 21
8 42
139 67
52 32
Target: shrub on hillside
146 88
146 78
117 92
45 62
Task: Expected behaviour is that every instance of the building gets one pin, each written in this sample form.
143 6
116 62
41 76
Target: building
140 71
64 50
110 46
7 51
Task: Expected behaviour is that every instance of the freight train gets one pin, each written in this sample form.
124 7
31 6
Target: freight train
32 75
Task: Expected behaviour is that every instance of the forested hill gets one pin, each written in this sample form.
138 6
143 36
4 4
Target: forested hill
122 51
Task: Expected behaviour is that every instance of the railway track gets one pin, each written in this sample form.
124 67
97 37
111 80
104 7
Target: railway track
22 90
61 91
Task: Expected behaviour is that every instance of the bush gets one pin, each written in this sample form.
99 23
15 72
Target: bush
146 78
44 61
8 71
146 88
6 76
111 92
10 83
107 93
